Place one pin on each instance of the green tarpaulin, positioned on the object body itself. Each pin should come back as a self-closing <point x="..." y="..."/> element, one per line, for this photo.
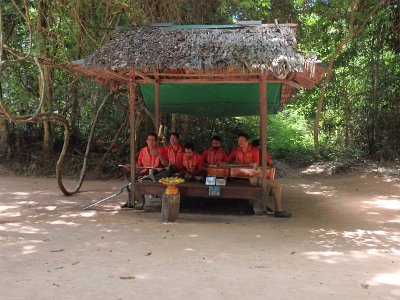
<point x="211" y="99"/>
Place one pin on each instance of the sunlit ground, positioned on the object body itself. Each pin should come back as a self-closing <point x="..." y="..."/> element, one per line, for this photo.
<point x="343" y="242"/>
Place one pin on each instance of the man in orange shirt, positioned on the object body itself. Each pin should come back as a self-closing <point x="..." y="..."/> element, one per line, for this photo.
<point x="214" y="155"/>
<point x="192" y="163"/>
<point x="153" y="157"/>
<point x="247" y="155"/>
<point x="244" y="154"/>
<point x="174" y="153"/>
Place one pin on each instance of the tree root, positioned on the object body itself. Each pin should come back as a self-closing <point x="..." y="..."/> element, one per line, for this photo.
<point x="57" y="118"/>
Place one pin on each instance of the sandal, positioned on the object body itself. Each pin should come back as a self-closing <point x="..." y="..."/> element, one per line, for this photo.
<point x="269" y="211"/>
<point x="282" y="214"/>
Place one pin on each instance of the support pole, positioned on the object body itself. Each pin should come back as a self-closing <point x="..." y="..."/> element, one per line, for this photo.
<point x="132" y="111"/>
<point x="157" y="105"/>
<point x="263" y="134"/>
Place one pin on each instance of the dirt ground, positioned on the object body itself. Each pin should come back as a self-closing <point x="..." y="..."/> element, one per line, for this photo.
<point x="343" y="242"/>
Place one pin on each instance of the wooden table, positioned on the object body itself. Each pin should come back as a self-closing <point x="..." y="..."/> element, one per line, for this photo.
<point x="234" y="189"/>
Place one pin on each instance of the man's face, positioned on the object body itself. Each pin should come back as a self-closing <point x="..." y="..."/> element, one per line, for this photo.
<point x="151" y="141"/>
<point x="215" y="144"/>
<point x="188" y="153"/>
<point x="173" y="140"/>
<point x="242" y="142"/>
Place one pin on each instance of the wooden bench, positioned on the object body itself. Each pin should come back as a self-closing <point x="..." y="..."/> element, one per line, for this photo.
<point x="234" y="189"/>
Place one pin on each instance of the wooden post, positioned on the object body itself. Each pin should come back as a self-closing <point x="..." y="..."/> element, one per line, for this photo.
<point x="263" y="137"/>
<point x="170" y="207"/>
<point x="132" y="104"/>
<point x="157" y="105"/>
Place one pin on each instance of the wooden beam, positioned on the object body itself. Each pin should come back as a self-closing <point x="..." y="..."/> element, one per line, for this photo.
<point x="202" y="74"/>
<point x="263" y="132"/>
<point x="132" y="111"/>
<point x="145" y="76"/>
<point x="221" y="80"/>
<point x="290" y="83"/>
<point x="116" y="75"/>
<point x="296" y="80"/>
<point x="157" y="106"/>
<point x="210" y="80"/>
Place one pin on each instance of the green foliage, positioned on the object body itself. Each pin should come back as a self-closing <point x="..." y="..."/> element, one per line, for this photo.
<point x="361" y="112"/>
<point x="289" y="135"/>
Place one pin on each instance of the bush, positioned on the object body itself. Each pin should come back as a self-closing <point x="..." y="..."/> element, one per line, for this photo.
<point x="289" y="136"/>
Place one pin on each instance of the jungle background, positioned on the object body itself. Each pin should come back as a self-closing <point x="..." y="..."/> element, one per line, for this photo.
<point x="350" y="117"/>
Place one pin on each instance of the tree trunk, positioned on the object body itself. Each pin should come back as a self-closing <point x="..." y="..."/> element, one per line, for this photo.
<point x="351" y="34"/>
<point x="174" y="122"/>
<point x="186" y="127"/>
<point x="45" y="81"/>
<point x="5" y="150"/>
<point x="74" y="105"/>
<point x="48" y="141"/>
<point x="347" y="120"/>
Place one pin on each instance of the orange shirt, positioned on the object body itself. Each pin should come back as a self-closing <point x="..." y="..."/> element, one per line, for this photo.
<point x="147" y="160"/>
<point x="193" y="163"/>
<point x="269" y="158"/>
<point x="251" y="155"/>
<point x="214" y="157"/>
<point x="175" y="155"/>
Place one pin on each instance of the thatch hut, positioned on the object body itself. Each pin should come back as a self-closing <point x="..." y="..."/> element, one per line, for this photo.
<point x="207" y="70"/>
<point x="194" y="53"/>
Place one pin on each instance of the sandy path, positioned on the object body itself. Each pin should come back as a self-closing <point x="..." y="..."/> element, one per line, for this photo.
<point x="342" y="243"/>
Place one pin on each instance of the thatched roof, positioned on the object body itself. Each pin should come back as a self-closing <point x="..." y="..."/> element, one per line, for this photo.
<point x="214" y="48"/>
<point x="204" y="54"/>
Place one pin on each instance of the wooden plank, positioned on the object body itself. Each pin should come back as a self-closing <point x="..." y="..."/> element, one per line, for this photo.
<point x="132" y="111"/>
<point x="144" y="76"/>
<point x="202" y="74"/>
<point x="117" y="76"/>
<point x="297" y="80"/>
<point x="157" y="106"/>
<point x="209" y="80"/>
<point x="222" y="80"/>
<point x="263" y="139"/>
<point x="197" y="189"/>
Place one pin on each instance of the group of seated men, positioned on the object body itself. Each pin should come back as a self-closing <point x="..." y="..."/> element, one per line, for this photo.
<point x="183" y="161"/>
